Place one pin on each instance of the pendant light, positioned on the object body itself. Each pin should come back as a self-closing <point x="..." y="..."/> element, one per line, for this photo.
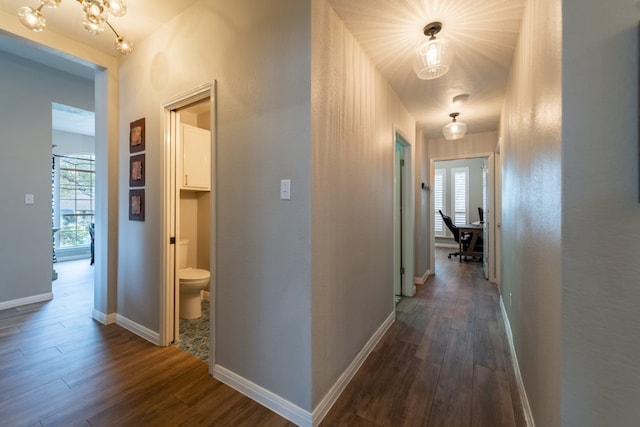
<point x="455" y="129"/>
<point x="433" y="57"/>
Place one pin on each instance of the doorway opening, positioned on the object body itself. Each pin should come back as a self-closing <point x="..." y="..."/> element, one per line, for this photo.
<point x="462" y="187"/>
<point x="403" y="219"/>
<point x="73" y="184"/>
<point x="188" y="299"/>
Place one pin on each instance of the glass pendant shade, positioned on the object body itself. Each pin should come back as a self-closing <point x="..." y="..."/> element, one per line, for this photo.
<point x="454" y="130"/>
<point x="117" y="8"/>
<point x="432" y="59"/>
<point x="32" y="18"/>
<point x="123" y="46"/>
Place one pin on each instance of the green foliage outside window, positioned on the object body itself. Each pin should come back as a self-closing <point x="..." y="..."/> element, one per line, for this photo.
<point x="76" y="199"/>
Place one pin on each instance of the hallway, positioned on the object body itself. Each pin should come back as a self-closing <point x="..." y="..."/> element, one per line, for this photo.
<point x="444" y="362"/>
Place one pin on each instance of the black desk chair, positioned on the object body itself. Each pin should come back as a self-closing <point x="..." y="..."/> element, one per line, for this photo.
<point x="466" y="238"/>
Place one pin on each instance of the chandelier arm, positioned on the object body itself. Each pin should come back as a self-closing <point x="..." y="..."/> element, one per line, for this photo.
<point x="112" y="29"/>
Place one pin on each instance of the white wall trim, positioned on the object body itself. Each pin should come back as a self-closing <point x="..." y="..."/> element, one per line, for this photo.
<point x="141" y="331"/>
<point x="447" y="245"/>
<point x="528" y="416"/>
<point x="290" y="411"/>
<point x="24" y="301"/>
<point x="105" y="319"/>
<point x="277" y="404"/>
<point x="422" y="280"/>
<point x="334" y="393"/>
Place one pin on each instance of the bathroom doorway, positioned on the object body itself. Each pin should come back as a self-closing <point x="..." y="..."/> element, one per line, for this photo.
<point x="189" y="216"/>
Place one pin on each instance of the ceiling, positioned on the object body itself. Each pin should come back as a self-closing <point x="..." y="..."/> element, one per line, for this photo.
<point x="483" y="34"/>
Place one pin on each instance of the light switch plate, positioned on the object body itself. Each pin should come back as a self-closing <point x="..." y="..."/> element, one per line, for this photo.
<point x="29" y="199"/>
<point x="285" y="189"/>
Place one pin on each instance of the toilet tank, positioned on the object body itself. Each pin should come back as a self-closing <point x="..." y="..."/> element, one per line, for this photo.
<point x="184" y="251"/>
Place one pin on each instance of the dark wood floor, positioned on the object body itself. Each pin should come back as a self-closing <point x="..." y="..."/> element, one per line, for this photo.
<point x="444" y="362"/>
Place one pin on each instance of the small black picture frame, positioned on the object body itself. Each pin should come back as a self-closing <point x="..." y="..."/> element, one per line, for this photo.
<point x="136" y="136"/>
<point x="137" y="170"/>
<point x="136" y="205"/>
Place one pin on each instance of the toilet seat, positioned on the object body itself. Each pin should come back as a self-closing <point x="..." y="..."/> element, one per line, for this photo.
<point x="193" y="275"/>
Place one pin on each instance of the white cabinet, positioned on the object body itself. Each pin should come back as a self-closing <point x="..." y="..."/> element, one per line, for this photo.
<point x="196" y="158"/>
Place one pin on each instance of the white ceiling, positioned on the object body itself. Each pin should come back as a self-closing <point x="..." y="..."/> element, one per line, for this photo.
<point x="483" y="33"/>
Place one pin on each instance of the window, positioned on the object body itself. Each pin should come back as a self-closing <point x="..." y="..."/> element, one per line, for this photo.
<point x="75" y="203"/>
<point x="460" y="196"/>
<point x="438" y="201"/>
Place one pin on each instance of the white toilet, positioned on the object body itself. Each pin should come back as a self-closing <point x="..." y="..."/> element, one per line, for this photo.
<point x="192" y="281"/>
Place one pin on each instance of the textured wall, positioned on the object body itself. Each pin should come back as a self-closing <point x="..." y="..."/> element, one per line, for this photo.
<point x="531" y="209"/>
<point x="259" y="54"/>
<point x="353" y="117"/>
<point x="600" y="214"/>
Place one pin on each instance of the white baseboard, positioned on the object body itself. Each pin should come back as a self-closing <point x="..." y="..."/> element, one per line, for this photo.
<point x="422" y="280"/>
<point x="447" y="245"/>
<point x="149" y="335"/>
<point x="105" y="319"/>
<point x="334" y="393"/>
<point x="528" y="416"/>
<point x="24" y="301"/>
<point x="290" y="411"/>
<point x="277" y="404"/>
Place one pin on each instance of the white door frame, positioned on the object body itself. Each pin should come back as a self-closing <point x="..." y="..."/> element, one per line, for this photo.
<point x="490" y="216"/>
<point x="168" y="298"/>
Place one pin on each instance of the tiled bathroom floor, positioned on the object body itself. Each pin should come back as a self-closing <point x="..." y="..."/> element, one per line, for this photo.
<point x="194" y="334"/>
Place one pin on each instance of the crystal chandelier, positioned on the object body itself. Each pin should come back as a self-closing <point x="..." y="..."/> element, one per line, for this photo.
<point x="455" y="129"/>
<point x="96" y="15"/>
<point x="433" y="57"/>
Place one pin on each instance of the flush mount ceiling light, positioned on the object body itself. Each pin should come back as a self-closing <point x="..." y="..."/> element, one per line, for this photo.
<point x="459" y="100"/>
<point x="433" y="57"/>
<point x="96" y="14"/>
<point x="455" y="129"/>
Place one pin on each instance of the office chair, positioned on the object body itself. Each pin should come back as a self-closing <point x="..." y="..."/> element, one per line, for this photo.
<point x="481" y="214"/>
<point x="466" y="239"/>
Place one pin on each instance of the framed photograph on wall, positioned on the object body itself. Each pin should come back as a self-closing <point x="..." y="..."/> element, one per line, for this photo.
<point x="136" y="136"/>
<point x="136" y="205"/>
<point x="136" y="170"/>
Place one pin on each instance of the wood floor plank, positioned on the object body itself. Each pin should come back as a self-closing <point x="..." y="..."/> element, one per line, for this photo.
<point x="452" y="400"/>
<point x="491" y="399"/>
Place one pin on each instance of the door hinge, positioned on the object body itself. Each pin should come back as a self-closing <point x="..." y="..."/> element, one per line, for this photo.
<point x="401" y="270"/>
<point x="401" y="162"/>
<point x="172" y="240"/>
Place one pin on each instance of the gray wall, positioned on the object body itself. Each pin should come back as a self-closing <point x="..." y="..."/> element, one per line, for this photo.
<point x="259" y="54"/>
<point x="355" y="115"/>
<point x="600" y="214"/>
<point x="531" y="207"/>
<point x="25" y="167"/>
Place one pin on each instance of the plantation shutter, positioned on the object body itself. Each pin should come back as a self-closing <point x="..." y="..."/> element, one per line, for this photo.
<point x="438" y="202"/>
<point x="460" y="180"/>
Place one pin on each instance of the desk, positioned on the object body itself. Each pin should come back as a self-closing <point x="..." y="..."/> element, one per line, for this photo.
<point x="475" y="231"/>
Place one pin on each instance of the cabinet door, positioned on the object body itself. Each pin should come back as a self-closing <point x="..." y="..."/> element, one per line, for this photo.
<point x="196" y="158"/>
